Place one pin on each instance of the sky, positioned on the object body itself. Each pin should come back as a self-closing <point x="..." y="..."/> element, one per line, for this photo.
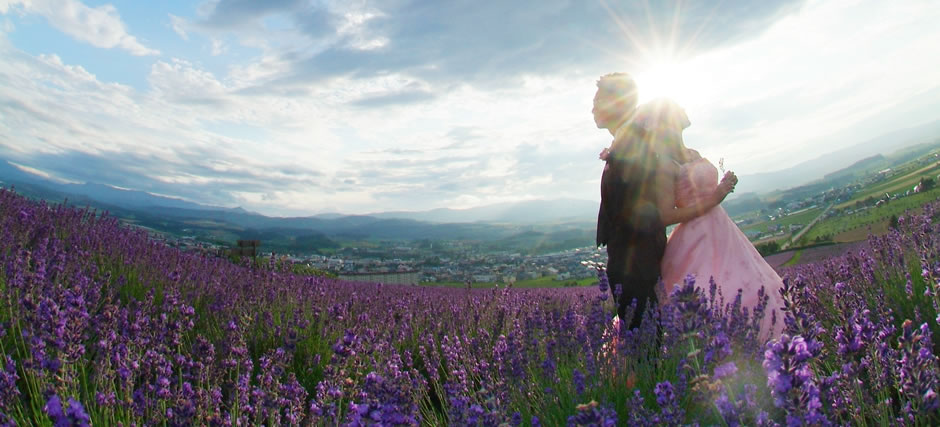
<point x="299" y="107"/>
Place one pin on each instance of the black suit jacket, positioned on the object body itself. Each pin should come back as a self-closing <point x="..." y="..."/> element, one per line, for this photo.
<point x="628" y="220"/>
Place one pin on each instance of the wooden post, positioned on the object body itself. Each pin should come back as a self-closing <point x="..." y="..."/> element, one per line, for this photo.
<point x="247" y="248"/>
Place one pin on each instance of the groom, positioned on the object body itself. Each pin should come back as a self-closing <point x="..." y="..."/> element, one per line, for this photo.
<point x="628" y="221"/>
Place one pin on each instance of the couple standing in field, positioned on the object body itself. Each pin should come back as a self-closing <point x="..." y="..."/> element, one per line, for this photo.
<point x="652" y="180"/>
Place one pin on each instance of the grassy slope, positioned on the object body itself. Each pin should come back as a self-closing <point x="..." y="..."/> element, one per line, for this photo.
<point x="801" y="218"/>
<point x="899" y="183"/>
<point x="855" y="227"/>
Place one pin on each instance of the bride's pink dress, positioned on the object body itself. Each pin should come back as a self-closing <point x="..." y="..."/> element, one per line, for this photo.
<point x="713" y="246"/>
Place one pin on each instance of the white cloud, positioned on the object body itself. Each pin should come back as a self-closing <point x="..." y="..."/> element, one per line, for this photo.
<point x="42" y="174"/>
<point x="178" y="25"/>
<point x="765" y="103"/>
<point x="7" y="5"/>
<point x="99" y="26"/>
<point x="485" y="44"/>
<point x="61" y="119"/>
<point x="261" y="70"/>
<point x="371" y="130"/>
<point x="354" y="27"/>
<point x="180" y="81"/>
<point x="218" y="47"/>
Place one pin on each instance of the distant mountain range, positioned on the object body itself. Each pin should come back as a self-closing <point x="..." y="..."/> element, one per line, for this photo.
<point x="525" y="212"/>
<point x="819" y="167"/>
<point x="527" y="221"/>
<point x="561" y="224"/>
<point x="94" y="191"/>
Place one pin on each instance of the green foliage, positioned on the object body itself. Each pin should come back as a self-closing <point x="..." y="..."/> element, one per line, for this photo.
<point x="927" y="183"/>
<point x="311" y="242"/>
<point x="768" y="248"/>
<point x="538" y="242"/>
<point x="291" y="241"/>
<point x="794" y="259"/>
<point x="306" y="270"/>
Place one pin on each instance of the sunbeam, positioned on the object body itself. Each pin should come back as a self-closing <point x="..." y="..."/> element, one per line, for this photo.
<point x="661" y="56"/>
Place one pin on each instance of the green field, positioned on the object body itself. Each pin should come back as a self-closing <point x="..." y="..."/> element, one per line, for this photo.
<point x="793" y="260"/>
<point x="799" y="218"/>
<point x="542" y="282"/>
<point x="902" y="182"/>
<point x="779" y="239"/>
<point x="873" y="216"/>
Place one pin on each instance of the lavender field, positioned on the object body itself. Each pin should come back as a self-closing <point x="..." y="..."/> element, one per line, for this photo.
<point x="100" y="325"/>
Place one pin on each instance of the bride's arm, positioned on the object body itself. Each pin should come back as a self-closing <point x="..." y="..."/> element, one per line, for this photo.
<point x="666" y="196"/>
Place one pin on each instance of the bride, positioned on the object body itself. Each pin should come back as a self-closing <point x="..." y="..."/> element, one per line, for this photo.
<point x="704" y="244"/>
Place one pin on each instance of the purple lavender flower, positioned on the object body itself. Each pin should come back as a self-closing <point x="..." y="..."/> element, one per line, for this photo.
<point x="389" y="401"/>
<point x="593" y="414"/>
<point x="8" y="378"/>
<point x="725" y="370"/>
<point x="54" y="409"/>
<point x="729" y="411"/>
<point x="670" y="411"/>
<point x="346" y="345"/>
<point x="791" y="381"/>
<point x="689" y="308"/>
<point x="718" y="348"/>
<point x="917" y="367"/>
<point x="637" y="413"/>
<point x="603" y="283"/>
<point x="73" y="415"/>
<point x="578" y="379"/>
<point x="75" y="278"/>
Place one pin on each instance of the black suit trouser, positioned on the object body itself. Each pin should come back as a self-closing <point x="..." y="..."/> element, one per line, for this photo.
<point x="633" y="262"/>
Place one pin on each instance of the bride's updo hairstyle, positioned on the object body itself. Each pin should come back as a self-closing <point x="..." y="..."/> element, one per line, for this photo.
<point x="663" y="120"/>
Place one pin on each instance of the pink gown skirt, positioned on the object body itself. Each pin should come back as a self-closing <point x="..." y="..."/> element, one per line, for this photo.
<point x="712" y="246"/>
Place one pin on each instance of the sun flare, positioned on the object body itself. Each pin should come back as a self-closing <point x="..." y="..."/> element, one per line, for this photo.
<point x="668" y="78"/>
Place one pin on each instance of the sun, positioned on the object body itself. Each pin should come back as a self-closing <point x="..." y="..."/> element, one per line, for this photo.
<point x="670" y="78"/>
<point x="663" y="62"/>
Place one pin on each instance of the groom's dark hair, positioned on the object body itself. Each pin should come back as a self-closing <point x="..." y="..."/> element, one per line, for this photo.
<point x="621" y="86"/>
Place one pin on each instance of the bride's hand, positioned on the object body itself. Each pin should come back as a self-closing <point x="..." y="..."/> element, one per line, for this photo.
<point x="726" y="186"/>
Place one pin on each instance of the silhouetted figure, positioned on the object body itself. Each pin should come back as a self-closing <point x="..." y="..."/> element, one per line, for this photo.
<point x="628" y="219"/>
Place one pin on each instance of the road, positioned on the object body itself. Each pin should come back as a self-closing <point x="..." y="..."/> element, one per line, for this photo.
<point x="796" y="238"/>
